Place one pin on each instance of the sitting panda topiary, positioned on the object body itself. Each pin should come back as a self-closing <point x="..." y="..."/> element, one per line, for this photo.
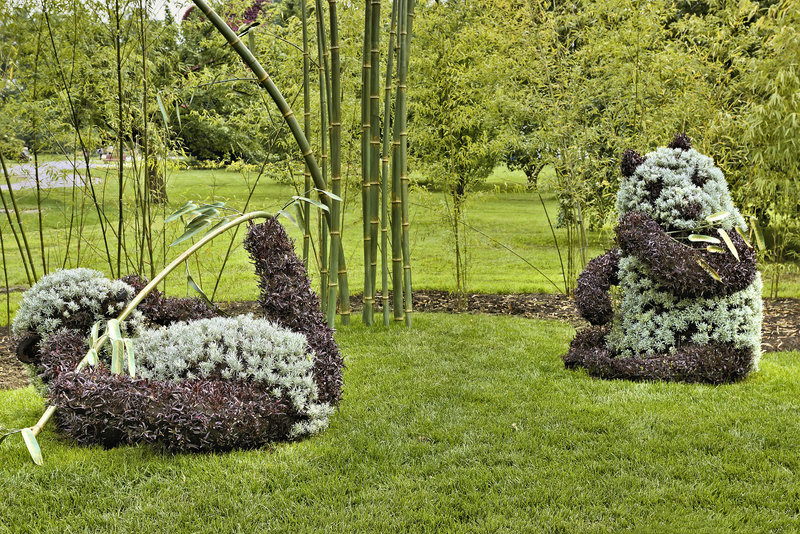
<point x="689" y="311"/>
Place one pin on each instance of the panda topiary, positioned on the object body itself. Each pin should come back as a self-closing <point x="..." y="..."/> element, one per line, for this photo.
<point x="689" y="311"/>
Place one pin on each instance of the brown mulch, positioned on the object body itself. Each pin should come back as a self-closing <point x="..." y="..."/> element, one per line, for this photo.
<point x="780" y="330"/>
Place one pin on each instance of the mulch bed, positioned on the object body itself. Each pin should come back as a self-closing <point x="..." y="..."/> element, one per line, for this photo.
<point x="780" y="331"/>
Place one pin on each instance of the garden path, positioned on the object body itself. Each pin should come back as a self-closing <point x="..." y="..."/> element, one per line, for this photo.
<point x="51" y="174"/>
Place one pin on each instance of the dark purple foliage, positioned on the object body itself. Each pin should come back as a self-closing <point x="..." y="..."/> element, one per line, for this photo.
<point x="96" y="407"/>
<point x="674" y="265"/>
<point x="630" y="160"/>
<point x="164" y="311"/>
<point x="591" y="293"/>
<point x="682" y="141"/>
<point x="712" y="364"/>
<point x="286" y="298"/>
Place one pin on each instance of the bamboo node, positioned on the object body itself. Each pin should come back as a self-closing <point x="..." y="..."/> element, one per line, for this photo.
<point x="263" y="78"/>
<point x="288" y="114"/>
<point x="306" y="154"/>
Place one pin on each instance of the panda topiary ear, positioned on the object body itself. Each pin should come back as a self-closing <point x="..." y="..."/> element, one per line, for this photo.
<point x="682" y="141"/>
<point x="630" y="160"/>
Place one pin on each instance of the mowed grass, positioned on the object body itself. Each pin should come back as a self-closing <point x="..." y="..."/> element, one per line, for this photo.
<point x="463" y="424"/>
<point x="503" y="210"/>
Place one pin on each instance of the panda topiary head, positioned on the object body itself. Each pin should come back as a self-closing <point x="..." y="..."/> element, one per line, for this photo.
<point x="676" y="186"/>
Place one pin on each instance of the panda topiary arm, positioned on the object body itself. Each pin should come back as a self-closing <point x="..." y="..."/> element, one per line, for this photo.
<point x="591" y="292"/>
<point x="676" y="266"/>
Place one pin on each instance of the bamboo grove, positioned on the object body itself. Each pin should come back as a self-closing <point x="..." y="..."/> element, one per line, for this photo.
<point x="384" y="149"/>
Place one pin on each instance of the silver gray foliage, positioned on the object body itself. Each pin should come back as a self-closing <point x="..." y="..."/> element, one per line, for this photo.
<point x="52" y="300"/>
<point x="241" y="347"/>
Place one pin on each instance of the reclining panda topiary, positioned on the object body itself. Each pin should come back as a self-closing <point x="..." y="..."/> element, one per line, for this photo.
<point x="689" y="311"/>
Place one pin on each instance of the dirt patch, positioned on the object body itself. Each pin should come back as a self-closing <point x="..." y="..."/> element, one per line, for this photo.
<point x="780" y="330"/>
<point x="12" y="373"/>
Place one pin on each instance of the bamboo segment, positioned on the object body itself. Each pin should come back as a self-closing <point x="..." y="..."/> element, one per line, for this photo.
<point x="324" y="91"/>
<point x="387" y="109"/>
<point x="397" y="209"/>
<point x="402" y="104"/>
<point x="336" y="164"/>
<point x="307" y="131"/>
<point x="366" y="78"/>
<point x="374" y="146"/>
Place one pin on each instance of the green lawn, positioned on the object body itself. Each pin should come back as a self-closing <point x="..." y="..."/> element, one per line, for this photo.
<point x="503" y="210"/>
<point x="465" y="423"/>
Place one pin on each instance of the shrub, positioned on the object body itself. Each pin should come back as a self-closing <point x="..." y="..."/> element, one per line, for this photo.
<point x="74" y="299"/>
<point x="212" y="384"/>
<point x="286" y="298"/>
<point x="230" y="348"/>
<point x="687" y="312"/>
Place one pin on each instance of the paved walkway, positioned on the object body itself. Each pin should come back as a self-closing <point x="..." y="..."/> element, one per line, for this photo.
<point x="51" y="174"/>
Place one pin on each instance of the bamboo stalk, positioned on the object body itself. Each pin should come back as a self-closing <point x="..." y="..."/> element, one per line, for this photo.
<point x="336" y="164"/>
<point x="397" y="208"/>
<point x="307" y="130"/>
<point x="366" y="80"/>
<point x="102" y="219"/>
<point x="324" y="91"/>
<point x="402" y="103"/>
<point x="265" y="81"/>
<point x="387" y="109"/>
<point x="375" y="146"/>
<point x="31" y="279"/>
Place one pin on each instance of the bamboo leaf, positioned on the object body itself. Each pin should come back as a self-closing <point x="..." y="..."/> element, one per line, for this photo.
<point x="716" y="217"/>
<point x="178" y="115"/>
<point x="758" y="234"/>
<point x="190" y="233"/>
<point x="714" y="248"/>
<point x="288" y="216"/>
<point x="219" y="223"/>
<point x="744" y="237"/>
<point x="311" y="201"/>
<point x="217" y="204"/>
<point x="131" y="358"/>
<point x="163" y="111"/>
<point x="208" y="211"/>
<point x="301" y="220"/>
<point x="709" y="269"/>
<point x="33" y="446"/>
<point x="117" y="355"/>
<point x="186" y="208"/>
<point x="113" y="330"/>
<point x="198" y="289"/>
<point x="91" y="357"/>
<point x="95" y="332"/>
<point x="700" y="238"/>
<point x="328" y="194"/>
<point x="725" y="237"/>
<point x="197" y="221"/>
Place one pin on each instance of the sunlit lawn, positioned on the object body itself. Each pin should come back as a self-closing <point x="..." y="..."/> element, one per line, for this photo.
<point x="504" y="215"/>
<point x="465" y="424"/>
